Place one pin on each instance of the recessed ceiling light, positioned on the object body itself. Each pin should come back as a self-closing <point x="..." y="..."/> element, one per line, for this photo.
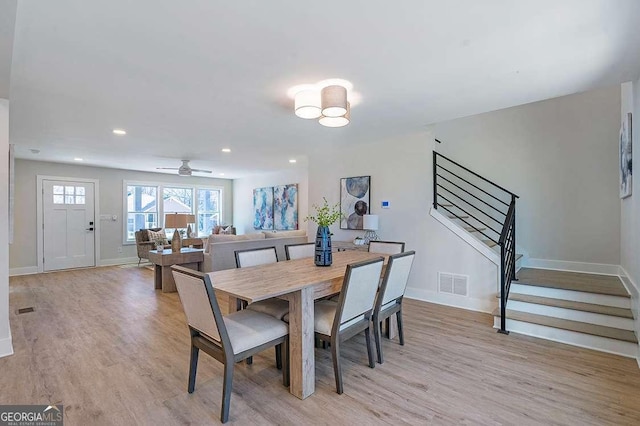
<point x="293" y="160"/>
<point x="78" y="159"/>
<point x="119" y="132"/>
<point x="226" y="149"/>
<point x="221" y="174"/>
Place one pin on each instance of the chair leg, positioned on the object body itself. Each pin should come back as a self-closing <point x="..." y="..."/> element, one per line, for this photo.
<point x="226" y="390"/>
<point x="367" y="335"/>
<point x="286" y="378"/>
<point x="337" y="371"/>
<point x="387" y="327"/>
<point x="139" y="260"/>
<point x="377" y="334"/>
<point x="193" y="366"/>
<point x="279" y="356"/>
<point x="249" y="360"/>
<point x="400" y="330"/>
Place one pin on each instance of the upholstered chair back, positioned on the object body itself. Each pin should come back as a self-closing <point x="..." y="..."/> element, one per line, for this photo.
<point x="386" y="247"/>
<point x="397" y="275"/>
<point x="197" y="304"/>
<point x="300" y="251"/>
<point x="255" y="257"/>
<point x="359" y="291"/>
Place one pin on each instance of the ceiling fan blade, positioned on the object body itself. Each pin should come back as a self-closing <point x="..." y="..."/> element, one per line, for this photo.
<point x="167" y="168"/>
<point x="201" y="171"/>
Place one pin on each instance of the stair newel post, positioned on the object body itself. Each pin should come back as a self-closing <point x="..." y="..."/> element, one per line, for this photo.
<point x="503" y="295"/>
<point x="435" y="187"/>
<point x="513" y="200"/>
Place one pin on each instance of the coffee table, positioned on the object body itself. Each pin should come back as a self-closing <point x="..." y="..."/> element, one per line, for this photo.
<point x="188" y="257"/>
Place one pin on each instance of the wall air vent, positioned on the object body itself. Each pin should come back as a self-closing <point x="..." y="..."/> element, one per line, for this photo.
<point x="453" y="284"/>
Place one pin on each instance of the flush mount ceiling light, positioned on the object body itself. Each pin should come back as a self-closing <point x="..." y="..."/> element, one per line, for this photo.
<point x="328" y="100"/>
<point x="119" y="132"/>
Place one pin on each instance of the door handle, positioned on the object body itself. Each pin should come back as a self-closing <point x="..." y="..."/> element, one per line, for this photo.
<point x="89" y="229"/>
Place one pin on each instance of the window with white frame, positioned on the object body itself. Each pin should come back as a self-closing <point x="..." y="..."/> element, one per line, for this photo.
<point x="147" y="204"/>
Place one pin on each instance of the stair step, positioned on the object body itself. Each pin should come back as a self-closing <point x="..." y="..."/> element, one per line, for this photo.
<point x="518" y="256"/>
<point x="579" y="327"/>
<point x="575" y="281"/>
<point x="471" y="229"/>
<point x="570" y="304"/>
<point x="489" y="243"/>
<point x="458" y="217"/>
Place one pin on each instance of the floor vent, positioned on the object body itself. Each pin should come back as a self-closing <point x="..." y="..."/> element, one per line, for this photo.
<point x="453" y="283"/>
<point x="25" y="310"/>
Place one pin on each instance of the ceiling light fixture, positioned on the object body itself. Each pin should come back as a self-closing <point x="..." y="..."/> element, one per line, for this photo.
<point x="78" y="159"/>
<point x="119" y="132"/>
<point x="221" y="174"/>
<point x="327" y="100"/>
<point x="226" y="149"/>
<point x="293" y="160"/>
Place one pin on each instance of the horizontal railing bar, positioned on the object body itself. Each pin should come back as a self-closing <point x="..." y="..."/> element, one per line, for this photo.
<point x="464" y="201"/>
<point x="469" y="183"/>
<point x="477" y="175"/>
<point x="471" y="216"/>
<point x="501" y="222"/>
<point x="490" y="238"/>
<point x="474" y="196"/>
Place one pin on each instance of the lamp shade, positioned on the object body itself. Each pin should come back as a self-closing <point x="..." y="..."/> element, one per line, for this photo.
<point x="175" y="220"/>
<point x="191" y="218"/>
<point x="370" y="222"/>
<point x="337" y="121"/>
<point x="334" y="101"/>
<point x="307" y="104"/>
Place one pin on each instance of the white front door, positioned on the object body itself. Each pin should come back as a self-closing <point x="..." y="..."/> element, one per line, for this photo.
<point x="68" y="225"/>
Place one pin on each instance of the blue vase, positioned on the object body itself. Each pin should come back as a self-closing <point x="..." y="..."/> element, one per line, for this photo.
<point x="323" y="246"/>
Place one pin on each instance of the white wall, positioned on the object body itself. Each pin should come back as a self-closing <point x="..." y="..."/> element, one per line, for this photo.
<point x="630" y="206"/>
<point x="23" y="256"/>
<point x="400" y="170"/>
<point x="5" y="331"/>
<point x="243" y="195"/>
<point x="560" y="156"/>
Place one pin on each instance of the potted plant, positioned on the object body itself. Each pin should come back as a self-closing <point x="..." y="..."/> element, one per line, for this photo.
<point x="325" y="216"/>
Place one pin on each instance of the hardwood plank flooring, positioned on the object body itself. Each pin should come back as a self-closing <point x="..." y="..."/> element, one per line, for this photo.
<point x="576" y="281"/>
<point x="115" y="351"/>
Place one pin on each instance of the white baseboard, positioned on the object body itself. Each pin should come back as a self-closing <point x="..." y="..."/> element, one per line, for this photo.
<point x="118" y="261"/>
<point x="468" y="303"/>
<point x="28" y="270"/>
<point x="565" y="265"/>
<point x="6" y="348"/>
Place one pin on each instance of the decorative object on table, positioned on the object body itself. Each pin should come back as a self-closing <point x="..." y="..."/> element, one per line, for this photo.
<point x="263" y="208"/>
<point x="626" y="142"/>
<point x="358" y="241"/>
<point x="159" y="247"/>
<point x="370" y="224"/>
<point x="355" y="197"/>
<point x="191" y="218"/>
<point x="177" y="221"/>
<point x="325" y="216"/>
<point x="285" y="207"/>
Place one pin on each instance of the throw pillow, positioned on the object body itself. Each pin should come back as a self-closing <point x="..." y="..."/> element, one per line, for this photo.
<point x="229" y="230"/>
<point x="157" y="237"/>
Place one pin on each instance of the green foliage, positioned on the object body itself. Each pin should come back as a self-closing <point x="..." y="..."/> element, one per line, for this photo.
<point x="325" y="215"/>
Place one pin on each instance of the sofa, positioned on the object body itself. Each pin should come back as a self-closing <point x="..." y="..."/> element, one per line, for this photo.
<point x="219" y="253"/>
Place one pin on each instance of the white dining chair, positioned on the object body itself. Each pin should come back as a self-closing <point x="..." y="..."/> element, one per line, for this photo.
<point x="300" y="251"/>
<point x="275" y="307"/>
<point x="336" y="322"/>
<point x="386" y="247"/>
<point x="390" y="296"/>
<point x="229" y="338"/>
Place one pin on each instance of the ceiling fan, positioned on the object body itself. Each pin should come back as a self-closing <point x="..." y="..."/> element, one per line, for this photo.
<point x="185" y="169"/>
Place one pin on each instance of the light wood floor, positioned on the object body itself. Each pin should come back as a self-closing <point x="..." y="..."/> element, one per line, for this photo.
<point x="114" y="351"/>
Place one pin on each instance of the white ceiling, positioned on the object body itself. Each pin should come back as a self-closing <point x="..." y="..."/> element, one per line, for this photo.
<point x="186" y="79"/>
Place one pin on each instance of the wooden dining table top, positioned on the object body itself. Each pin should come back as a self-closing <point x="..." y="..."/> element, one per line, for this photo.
<point x="277" y="279"/>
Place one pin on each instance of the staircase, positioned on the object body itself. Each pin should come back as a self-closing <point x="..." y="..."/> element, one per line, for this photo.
<point x="586" y="310"/>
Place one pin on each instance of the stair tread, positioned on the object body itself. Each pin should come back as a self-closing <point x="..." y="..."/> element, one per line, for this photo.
<point x="575" y="281"/>
<point x="489" y="243"/>
<point x="577" y="326"/>
<point x="472" y="229"/>
<point x="458" y="217"/>
<point x="570" y="304"/>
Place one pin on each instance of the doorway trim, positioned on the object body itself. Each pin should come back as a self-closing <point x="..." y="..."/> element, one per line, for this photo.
<point x="40" y="215"/>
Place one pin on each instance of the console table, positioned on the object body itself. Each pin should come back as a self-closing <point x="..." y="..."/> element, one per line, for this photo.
<point x="187" y="257"/>
<point x="348" y="245"/>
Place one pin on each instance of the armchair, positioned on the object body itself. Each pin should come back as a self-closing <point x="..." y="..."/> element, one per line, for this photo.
<point x="143" y="244"/>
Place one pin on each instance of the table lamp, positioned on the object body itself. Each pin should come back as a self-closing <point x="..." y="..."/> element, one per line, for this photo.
<point x="191" y="218"/>
<point x="370" y="224"/>
<point x="177" y="221"/>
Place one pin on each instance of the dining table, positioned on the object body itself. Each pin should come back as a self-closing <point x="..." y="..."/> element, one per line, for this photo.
<point x="300" y="282"/>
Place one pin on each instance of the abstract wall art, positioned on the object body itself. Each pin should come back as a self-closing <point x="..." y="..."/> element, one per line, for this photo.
<point x="625" y="151"/>
<point x="263" y="208"/>
<point x="285" y="207"/>
<point x="355" y="198"/>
